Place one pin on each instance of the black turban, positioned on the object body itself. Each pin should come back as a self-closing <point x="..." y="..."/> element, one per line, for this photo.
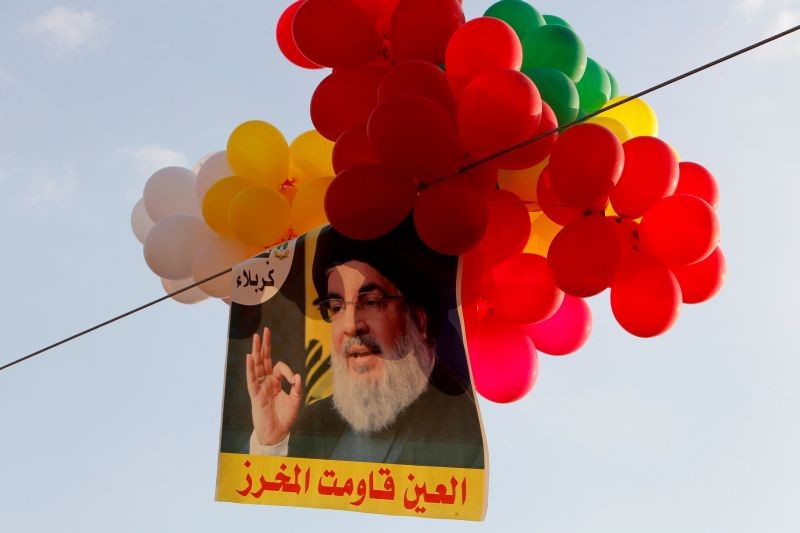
<point x="425" y="277"/>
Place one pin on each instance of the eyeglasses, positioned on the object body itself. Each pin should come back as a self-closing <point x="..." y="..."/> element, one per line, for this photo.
<point x="371" y="304"/>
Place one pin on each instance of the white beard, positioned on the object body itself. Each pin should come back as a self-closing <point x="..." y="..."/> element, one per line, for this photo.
<point x="373" y="404"/>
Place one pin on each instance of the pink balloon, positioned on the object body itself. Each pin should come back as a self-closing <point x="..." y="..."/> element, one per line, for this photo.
<point x="566" y="331"/>
<point x="503" y="360"/>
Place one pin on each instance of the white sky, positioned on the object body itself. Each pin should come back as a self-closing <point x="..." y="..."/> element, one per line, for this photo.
<point x="697" y="430"/>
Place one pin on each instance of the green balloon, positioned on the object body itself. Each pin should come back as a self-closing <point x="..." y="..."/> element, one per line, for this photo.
<point x="557" y="47"/>
<point x="614" y="85"/>
<point x="594" y="87"/>
<point x="556" y="21"/>
<point x="557" y="90"/>
<point x="519" y="14"/>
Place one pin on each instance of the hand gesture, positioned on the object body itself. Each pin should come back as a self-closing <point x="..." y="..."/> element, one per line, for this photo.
<point x="274" y="411"/>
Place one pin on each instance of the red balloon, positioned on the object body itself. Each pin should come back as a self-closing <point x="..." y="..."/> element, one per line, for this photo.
<point x="498" y="109"/>
<point x="286" y="43"/>
<point x="420" y="78"/>
<point x="345" y="99"/>
<point x="482" y="178"/>
<point x="474" y="279"/>
<point x="701" y="281"/>
<point x="524" y="290"/>
<point x="696" y="180"/>
<point x="679" y="230"/>
<point x="585" y="256"/>
<point x="352" y="148"/>
<point x="335" y="33"/>
<point x="414" y="136"/>
<point x="420" y="29"/>
<point x="535" y="152"/>
<point x="484" y="43"/>
<point x="508" y="229"/>
<point x="553" y="207"/>
<point x="503" y="360"/>
<point x="650" y="174"/>
<point x="367" y="201"/>
<point x="379" y="12"/>
<point x="566" y="331"/>
<point x="628" y="233"/>
<point x="585" y="164"/>
<point x="645" y="296"/>
<point x="450" y="217"/>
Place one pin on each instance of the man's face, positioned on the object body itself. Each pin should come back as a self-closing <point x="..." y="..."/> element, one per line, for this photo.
<point x="365" y="340"/>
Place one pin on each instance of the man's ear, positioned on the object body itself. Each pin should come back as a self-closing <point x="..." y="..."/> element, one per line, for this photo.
<point x="421" y="320"/>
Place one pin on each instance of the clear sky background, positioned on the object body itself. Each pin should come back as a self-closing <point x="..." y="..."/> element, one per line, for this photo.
<point x="696" y="430"/>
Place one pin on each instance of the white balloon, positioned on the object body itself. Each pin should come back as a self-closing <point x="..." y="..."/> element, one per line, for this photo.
<point x="217" y="254"/>
<point x="192" y="296"/>
<point x="170" y="191"/>
<point x="211" y="171"/>
<point x="171" y="244"/>
<point x="140" y="221"/>
<point x="201" y="162"/>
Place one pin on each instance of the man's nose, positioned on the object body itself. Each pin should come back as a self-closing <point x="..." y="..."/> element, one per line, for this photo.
<point x="352" y="323"/>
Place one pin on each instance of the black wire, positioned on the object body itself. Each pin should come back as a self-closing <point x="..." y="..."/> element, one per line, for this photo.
<point x="461" y="171"/>
<point x="118" y="317"/>
<point x="626" y="100"/>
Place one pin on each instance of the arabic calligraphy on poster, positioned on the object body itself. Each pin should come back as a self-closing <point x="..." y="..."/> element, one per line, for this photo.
<point x="432" y="492"/>
<point x="258" y="279"/>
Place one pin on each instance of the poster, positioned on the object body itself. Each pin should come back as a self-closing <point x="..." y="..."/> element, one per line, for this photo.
<point x="347" y="384"/>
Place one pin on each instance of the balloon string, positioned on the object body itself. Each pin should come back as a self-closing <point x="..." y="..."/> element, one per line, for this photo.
<point x="462" y="170"/>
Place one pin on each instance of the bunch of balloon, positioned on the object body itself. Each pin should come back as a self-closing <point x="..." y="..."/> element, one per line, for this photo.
<point x="264" y="191"/>
<point x="555" y="58"/>
<point x="660" y="241"/>
<point x="405" y="129"/>
<point x="168" y="223"/>
<point x="258" y="192"/>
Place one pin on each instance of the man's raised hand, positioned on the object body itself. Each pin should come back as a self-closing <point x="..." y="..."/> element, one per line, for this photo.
<point x="274" y="411"/>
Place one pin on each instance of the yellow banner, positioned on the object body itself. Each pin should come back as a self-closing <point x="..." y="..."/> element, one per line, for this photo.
<point x="425" y="491"/>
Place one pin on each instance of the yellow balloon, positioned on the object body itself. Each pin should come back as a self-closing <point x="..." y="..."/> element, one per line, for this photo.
<point x="543" y="231"/>
<point x="308" y="208"/>
<point x="218" y="200"/>
<point x="617" y="128"/>
<point x="259" y="216"/>
<point x="523" y="183"/>
<point x="636" y="115"/>
<point x="259" y="151"/>
<point x="311" y="156"/>
<point x="609" y="212"/>
<point x="289" y="191"/>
